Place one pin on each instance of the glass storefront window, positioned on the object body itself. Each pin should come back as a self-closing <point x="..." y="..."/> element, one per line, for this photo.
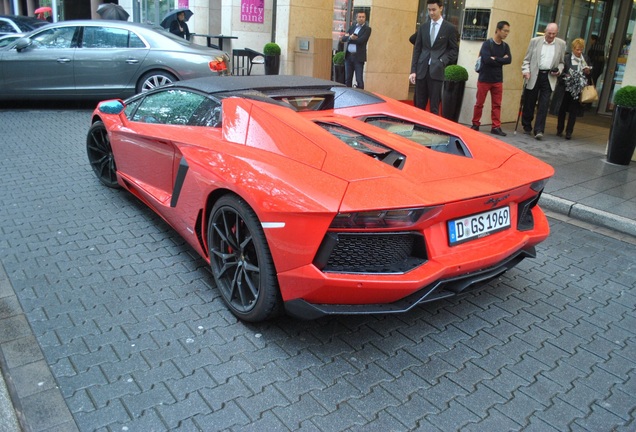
<point x="546" y="11"/>
<point x="153" y="11"/>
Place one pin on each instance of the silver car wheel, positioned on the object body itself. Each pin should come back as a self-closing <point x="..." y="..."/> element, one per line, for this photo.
<point x="155" y="79"/>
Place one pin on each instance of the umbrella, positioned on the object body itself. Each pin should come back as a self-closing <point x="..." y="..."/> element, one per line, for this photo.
<point x="172" y="16"/>
<point x="43" y="9"/>
<point x="112" y="11"/>
<point x="41" y="12"/>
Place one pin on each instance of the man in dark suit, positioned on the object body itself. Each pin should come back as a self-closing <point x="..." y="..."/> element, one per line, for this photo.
<point x="355" y="41"/>
<point x="435" y="47"/>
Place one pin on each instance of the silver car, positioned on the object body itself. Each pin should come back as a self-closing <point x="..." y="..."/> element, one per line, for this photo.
<point x="99" y="59"/>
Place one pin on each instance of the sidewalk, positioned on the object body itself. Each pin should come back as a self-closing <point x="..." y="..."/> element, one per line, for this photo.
<point x="585" y="186"/>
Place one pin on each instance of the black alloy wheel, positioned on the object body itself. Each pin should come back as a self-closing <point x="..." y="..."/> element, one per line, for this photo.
<point x="100" y="155"/>
<point x="241" y="261"/>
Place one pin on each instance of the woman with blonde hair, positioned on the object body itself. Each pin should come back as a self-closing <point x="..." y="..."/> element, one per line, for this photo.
<point x="576" y="75"/>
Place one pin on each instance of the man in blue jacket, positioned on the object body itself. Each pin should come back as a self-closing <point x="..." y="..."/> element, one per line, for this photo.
<point x="355" y="41"/>
<point x="494" y="53"/>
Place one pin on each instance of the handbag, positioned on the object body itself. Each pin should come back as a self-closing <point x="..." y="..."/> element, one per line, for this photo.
<point x="589" y="94"/>
<point x="478" y="64"/>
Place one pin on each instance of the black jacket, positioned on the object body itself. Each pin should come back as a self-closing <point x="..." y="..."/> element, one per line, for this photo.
<point x="361" y="42"/>
<point x="443" y="52"/>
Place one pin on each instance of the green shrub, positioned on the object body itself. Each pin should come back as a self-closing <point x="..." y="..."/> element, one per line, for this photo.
<point x="339" y="58"/>
<point x="455" y="73"/>
<point x="626" y="97"/>
<point x="271" y="49"/>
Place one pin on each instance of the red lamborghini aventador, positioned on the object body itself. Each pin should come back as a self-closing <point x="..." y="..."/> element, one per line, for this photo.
<point x="313" y="198"/>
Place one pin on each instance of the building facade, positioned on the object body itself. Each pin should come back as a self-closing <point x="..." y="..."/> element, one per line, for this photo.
<point x="308" y="32"/>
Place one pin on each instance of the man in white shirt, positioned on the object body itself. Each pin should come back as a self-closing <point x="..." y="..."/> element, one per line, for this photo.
<point x="541" y="66"/>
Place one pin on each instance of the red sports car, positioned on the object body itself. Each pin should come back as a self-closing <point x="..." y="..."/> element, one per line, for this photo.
<point x="317" y="199"/>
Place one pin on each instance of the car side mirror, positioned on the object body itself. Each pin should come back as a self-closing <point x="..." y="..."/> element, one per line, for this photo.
<point x="23" y="43"/>
<point x="111" y="107"/>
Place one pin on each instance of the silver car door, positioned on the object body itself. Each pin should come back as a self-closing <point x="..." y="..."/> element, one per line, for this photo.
<point x="44" y="68"/>
<point x="107" y="61"/>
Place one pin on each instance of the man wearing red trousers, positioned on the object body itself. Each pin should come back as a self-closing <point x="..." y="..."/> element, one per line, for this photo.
<point x="494" y="53"/>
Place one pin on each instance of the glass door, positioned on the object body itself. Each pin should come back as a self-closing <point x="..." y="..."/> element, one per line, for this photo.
<point x="621" y="29"/>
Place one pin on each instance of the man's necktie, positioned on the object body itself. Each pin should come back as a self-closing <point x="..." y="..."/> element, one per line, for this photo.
<point x="433" y="24"/>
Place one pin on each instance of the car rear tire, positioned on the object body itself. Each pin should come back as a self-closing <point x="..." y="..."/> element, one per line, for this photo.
<point x="100" y="155"/>
<point x="154" y="79"/>
<point x="241" y="262"/>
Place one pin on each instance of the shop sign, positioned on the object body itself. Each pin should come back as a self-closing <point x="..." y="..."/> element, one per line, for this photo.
<point x="253" y="11"/>
<point x="475" y="26"/>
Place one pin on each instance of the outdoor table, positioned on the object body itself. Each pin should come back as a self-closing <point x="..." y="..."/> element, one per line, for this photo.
<point x="219" y="38"/>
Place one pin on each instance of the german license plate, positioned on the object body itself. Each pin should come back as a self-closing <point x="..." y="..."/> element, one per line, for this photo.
<point x="479" y="225"/>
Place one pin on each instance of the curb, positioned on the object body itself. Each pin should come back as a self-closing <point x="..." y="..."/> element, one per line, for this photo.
<point x="588" y="214"/>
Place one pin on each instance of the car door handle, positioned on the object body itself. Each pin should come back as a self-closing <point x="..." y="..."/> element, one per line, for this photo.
<point x="132" y="61"/>
<point x="64" y="60"/>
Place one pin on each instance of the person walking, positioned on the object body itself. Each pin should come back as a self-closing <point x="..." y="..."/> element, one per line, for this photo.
<point x="179" y="26"/>
<point x="355" y="50"/>
<point x="575" y="75"/>
<point x="435" y="48"/>
<point x="494" y="53"/>
<point x="541" y="66"/>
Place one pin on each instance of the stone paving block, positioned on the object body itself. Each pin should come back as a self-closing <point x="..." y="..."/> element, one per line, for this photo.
<point x="405" y="386"/>
<point x="480" y="400"/>
<point x="455" y="417"/>
<point x="112" y="413"/>
<point x="103" y="394"/>
<point x="80" y="401"/>
<point x="332" y="371"/>
<point x="435" y="369"/>
<point x="620" y="404"/>
<point x="342" y="419"/>
<point x="374" y="402"/>
<point x="493" y="421"/>
<point x="223" y="371"/>
<point x="21" y="351"/>
<point x="218" y="396"/>
<point x="83" y="362"/>
<point x="163" y="372"/>
<point x="482" y="343"/>
<point x="224" y="418"/>
<point x="14" y="327"/>
<point x="184" y="409"/>
<point x="441" y="394"/>
<point x="412" y="411"/>
<point x="619" y="365"/>
<point x="297" y="386"/>
<point x="257" y="404"/>
<point x="32" y="378"/>
<point x="599" y="419"/>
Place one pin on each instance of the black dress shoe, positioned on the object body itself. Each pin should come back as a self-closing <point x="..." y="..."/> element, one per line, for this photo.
<point x="475" y="127"/>
<point x="568" y="136"/>
<point x="498" y="131"/>
<point x="559" y="134"/>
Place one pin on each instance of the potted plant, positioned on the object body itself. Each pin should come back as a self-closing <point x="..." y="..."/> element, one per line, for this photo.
<point x="338" y="67"/>
<point x="271" y="51"/>
<point x="622" y="136"/>
<point x="455" y="78"/>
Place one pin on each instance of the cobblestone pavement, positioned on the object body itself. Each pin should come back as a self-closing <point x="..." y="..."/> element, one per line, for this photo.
<point x="109" y="321"/>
